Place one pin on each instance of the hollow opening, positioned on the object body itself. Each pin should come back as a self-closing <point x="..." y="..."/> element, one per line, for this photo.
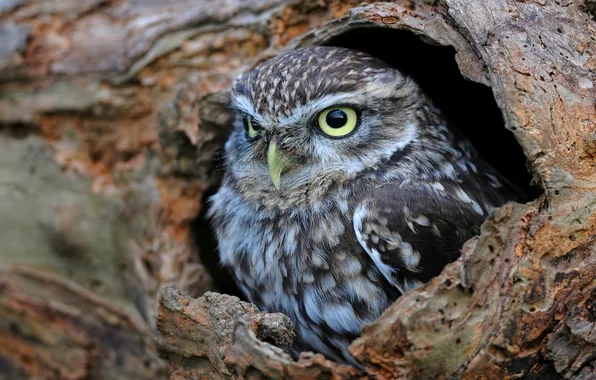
<point x="471" y="106"/>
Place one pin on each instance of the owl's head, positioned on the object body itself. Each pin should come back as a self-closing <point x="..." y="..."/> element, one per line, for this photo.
<point x="318" y="113"/>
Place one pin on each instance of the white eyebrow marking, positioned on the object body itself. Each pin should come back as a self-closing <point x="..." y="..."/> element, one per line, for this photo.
<point x="316" y="105"/>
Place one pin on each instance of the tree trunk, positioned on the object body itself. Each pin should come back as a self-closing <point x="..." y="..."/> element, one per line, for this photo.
<point x="112" y="118"/>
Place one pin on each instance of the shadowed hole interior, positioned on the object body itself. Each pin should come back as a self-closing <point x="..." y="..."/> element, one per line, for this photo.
<point x="589" y="7"/>
<point x="204" y="239"/>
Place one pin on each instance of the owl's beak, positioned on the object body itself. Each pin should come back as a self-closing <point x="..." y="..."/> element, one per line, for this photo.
<point x="275" y="163"/>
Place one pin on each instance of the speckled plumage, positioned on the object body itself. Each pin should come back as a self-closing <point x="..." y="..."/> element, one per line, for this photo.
<point x="358" y="220"/>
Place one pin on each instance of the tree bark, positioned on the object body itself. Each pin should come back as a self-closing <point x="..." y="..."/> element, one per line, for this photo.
<point x="112" y="118"/>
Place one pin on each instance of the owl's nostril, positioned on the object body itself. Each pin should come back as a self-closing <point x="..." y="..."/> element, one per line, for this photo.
<point x="268" y="137"/>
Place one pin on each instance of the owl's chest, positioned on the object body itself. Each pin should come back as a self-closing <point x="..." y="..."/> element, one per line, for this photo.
<point x="279" y="251"/>
<point x="307" y="264"/>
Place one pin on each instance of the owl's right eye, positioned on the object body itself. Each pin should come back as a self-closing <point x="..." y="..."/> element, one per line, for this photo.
<point x="251" y="126"/>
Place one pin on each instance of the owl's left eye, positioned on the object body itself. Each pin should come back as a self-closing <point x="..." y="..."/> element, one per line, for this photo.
<point x="250" y="125"/>
<point x="338" y="121"/>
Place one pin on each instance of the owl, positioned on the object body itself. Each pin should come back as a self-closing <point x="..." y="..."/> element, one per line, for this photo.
<point x="344" y="187"/>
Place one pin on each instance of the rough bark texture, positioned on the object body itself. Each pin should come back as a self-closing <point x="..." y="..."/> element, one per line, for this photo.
<point x="112" y="115"/>
<point x="194" y="334"/>
<point x="219" y="336"/>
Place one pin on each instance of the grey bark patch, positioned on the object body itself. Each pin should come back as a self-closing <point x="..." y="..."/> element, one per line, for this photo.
<point x="13" y="38"/>
<point x="8" y="5"/>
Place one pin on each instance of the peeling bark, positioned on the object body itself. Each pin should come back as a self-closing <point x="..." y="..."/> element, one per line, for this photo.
<point x="195" y="333"/>
<point x="112" y="118"/>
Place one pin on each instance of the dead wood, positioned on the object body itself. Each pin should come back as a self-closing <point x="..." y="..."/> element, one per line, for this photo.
<point x="112" y="117"/>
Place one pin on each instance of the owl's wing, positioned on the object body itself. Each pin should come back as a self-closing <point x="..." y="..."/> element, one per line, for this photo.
<point x="412" y="230"/>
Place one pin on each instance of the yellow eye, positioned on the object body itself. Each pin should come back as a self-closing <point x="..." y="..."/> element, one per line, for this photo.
<point x="338" y="121"/>
<point x="250" y="126"/>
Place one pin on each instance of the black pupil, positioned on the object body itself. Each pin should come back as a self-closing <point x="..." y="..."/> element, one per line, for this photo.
<point x="336" y="119"/>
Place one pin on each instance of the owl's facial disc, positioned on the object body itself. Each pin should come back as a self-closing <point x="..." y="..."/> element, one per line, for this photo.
<point x="318" y="116"/>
